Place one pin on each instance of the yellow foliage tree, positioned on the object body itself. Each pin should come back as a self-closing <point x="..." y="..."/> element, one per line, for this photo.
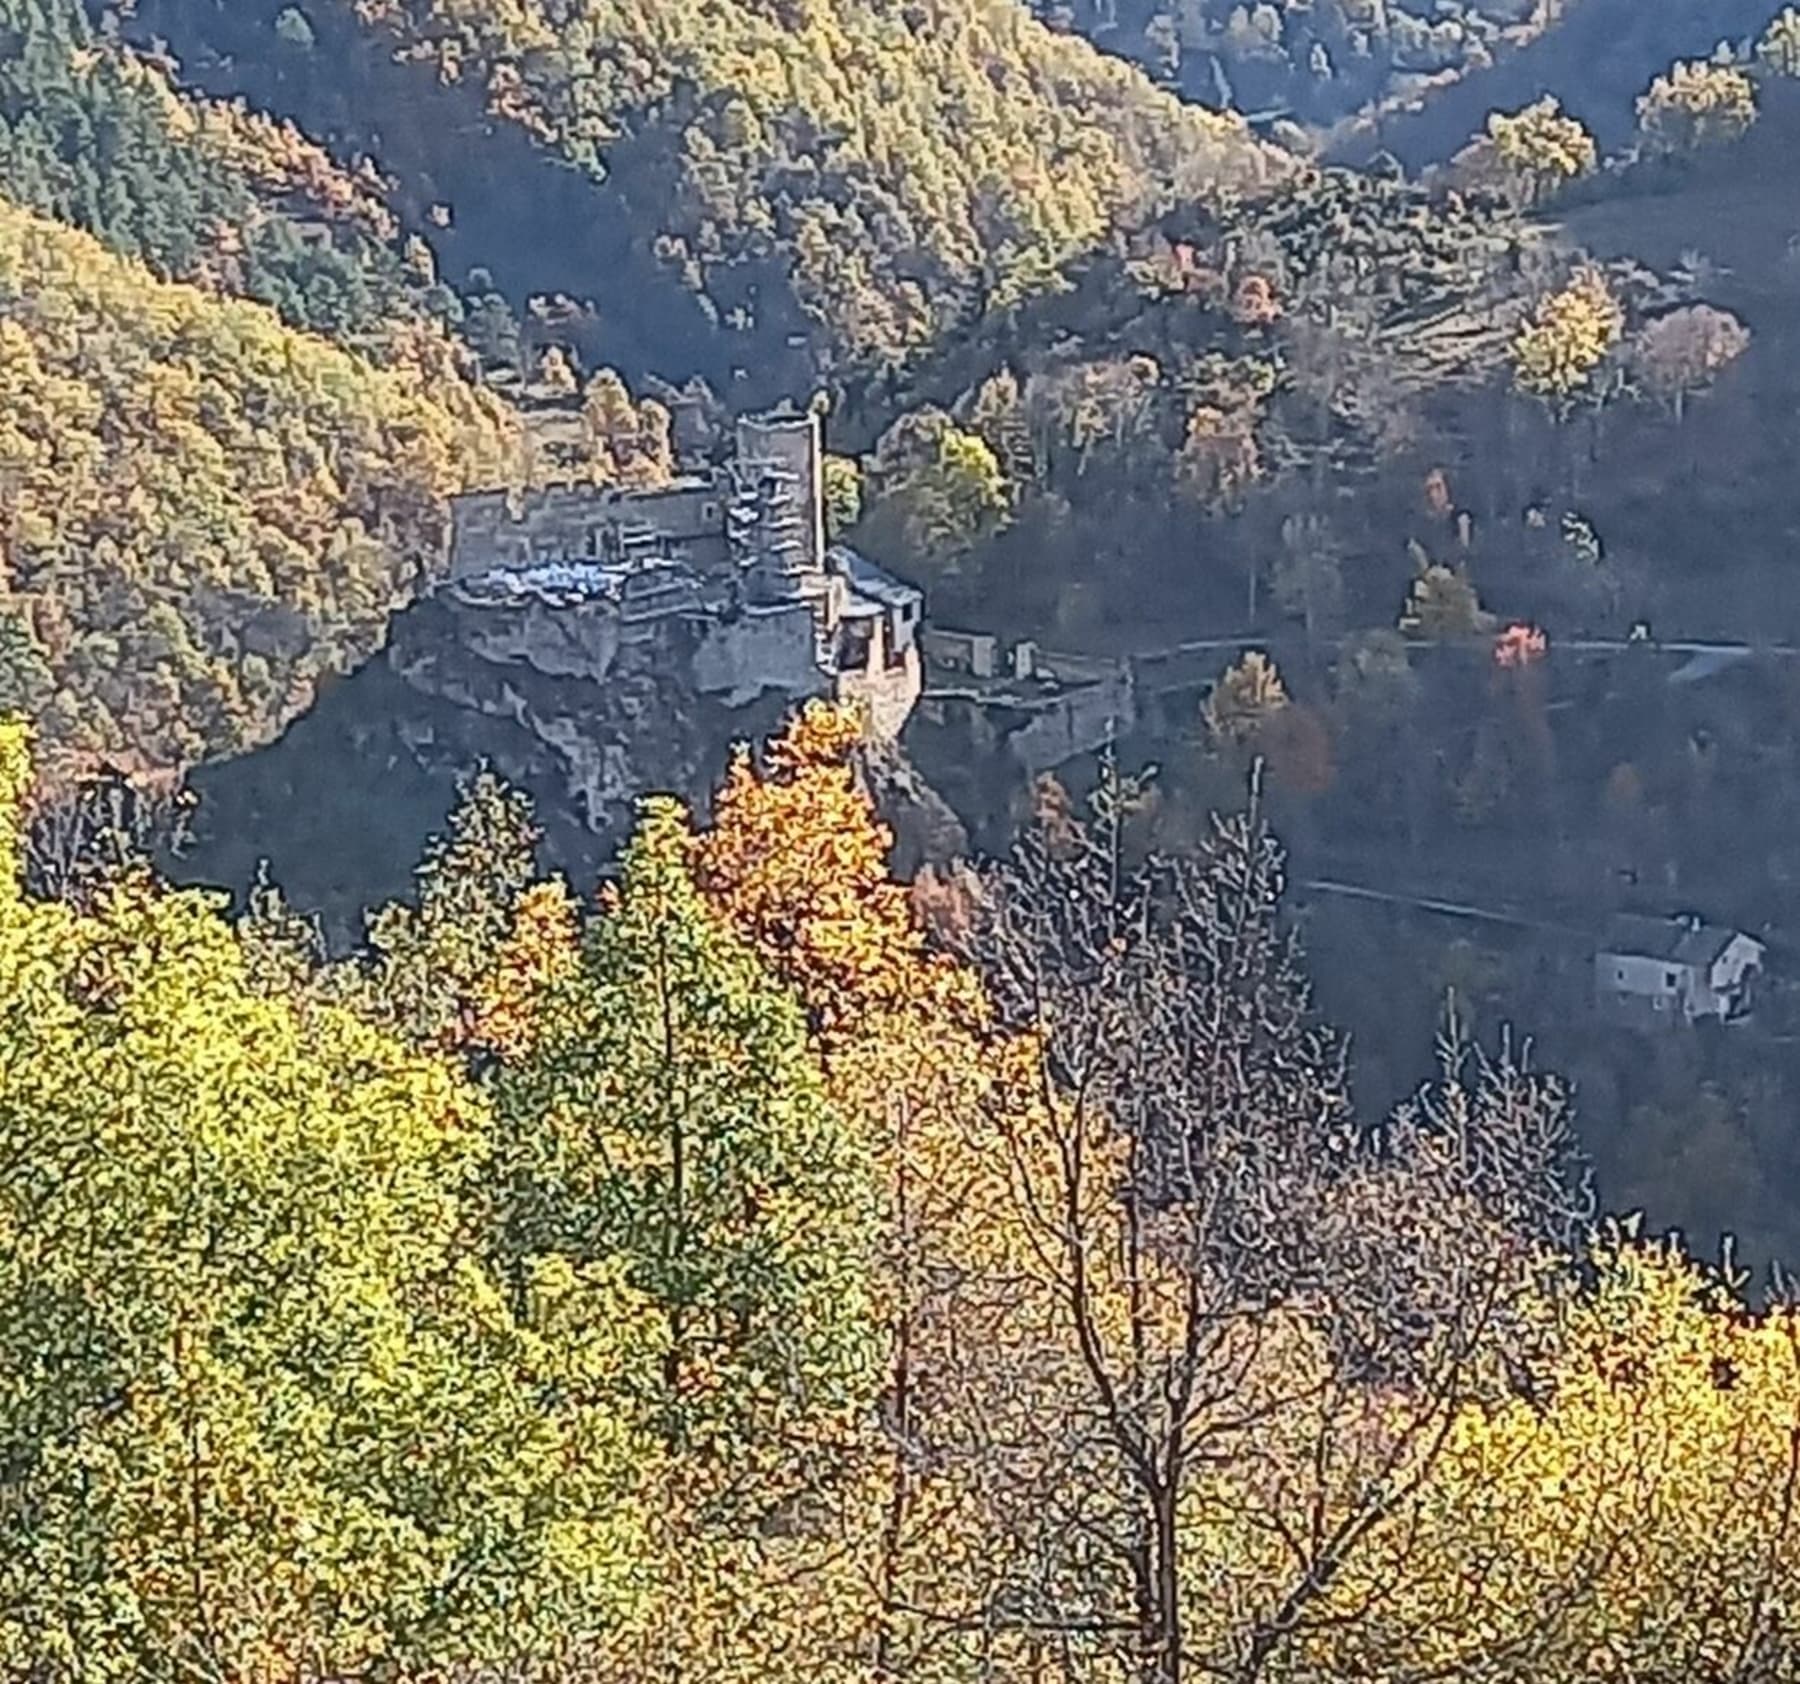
<point x="1628" y="1511"/>
<point x="628" y="443"/>
<point x="940" y="488"/>
<point x="208" y="511"/>
<point x="1248" y="694"/>
<point x="1557" y="353"/>
<point x="1005" y="148"/>
<point x="267" y="1414"/>
<point x="1541" y="147"/>
<point x="843" y="495"/>
<point x="1697" y="104"/>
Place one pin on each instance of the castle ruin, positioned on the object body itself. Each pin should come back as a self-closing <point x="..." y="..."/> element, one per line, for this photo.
<point x="726" y="575"/>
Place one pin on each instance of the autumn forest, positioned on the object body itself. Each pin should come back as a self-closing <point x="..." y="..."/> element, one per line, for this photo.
<point x="522" y="1168"/>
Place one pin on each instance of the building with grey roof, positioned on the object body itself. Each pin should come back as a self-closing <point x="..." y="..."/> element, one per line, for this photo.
<point x="1669" y="972"/>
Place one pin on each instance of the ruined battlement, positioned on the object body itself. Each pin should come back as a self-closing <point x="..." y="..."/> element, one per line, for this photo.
<point x="502" y="531"/>
<point x="760" y="515"/>
<point x="729" y="573"/>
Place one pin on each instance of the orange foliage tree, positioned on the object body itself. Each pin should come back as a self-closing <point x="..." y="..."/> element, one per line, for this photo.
<point x="797" y="861"/>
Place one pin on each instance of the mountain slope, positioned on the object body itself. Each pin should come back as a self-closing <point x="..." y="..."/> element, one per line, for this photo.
<point x="1596" y="60"/>
<point x="202" y="511"/>
<point x="862" y="173"/>
<point x="1318" y="60"/>
<point x="100" y="137"/>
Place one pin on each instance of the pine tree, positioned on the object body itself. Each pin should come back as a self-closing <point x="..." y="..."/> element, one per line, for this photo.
<point x="669" y="1115"/>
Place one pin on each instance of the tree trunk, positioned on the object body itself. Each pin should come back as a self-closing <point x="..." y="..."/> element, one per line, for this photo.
<point x="900" y="1495"/>
<point x="1168" y="1589"/>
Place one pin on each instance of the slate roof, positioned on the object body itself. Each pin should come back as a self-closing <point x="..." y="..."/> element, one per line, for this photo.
<point x="1674" y="941"/>
<point x="873" y="585"/>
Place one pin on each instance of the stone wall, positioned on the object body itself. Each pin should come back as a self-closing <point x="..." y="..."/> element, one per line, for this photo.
<point x="760" y="649"/>
<point x="1078" y="721"/>
<point x="887" y="686"/>
<point x="974" y="653"/>
<point x="493" y="529"/>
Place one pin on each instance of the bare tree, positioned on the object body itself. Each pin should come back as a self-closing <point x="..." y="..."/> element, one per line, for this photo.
<point x="1682" y="352"/>
<point x="1262" y="1318"/>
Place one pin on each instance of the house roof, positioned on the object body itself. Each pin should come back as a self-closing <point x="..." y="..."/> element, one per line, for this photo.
<point x="873" y="585"/>
<point x="1674" y="941"/>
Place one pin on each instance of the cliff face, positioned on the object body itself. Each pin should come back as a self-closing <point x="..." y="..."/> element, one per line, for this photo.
<point x="926" y="829"/>
<point x="589" y="712"/>
<point x="583" y="709"/>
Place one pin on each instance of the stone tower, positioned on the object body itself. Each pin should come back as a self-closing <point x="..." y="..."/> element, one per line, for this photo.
<point x="777" y="513"/>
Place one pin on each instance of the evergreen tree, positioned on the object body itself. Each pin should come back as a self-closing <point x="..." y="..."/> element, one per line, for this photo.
<point x="669" y="1116"/>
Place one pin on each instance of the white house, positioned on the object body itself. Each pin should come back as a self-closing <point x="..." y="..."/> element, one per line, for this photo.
<point x="1676" y="970"/>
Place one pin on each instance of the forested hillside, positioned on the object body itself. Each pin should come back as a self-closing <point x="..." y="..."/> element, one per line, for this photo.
<point x="202" y="511"/>
<point x="912" y="166"/>
<point x="1596" y="57"/>
<point x="740" y="1265"/>
<point x="736" y="1278"/>
<point x="1340" y="442"/>
<point x="865" y="176"/>
<point x="1413" y="76"/>
<point x="1313" y="60"/>
<point x="201" y="191"/>
<point x="1134" y="431"/>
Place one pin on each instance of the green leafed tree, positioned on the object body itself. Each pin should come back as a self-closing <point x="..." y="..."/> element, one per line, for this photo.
<point x="1308" y="575"/>
<point x="942" y="489"/>
<point x="1443" y="603"/>
<point x="264" y="1412"/>
<point x="293" y="29"/>
<point x="25" y="677"/>
<point x="843" y="494"/>
<point x="670" y="1116"/>
<point x="428" y="958"/>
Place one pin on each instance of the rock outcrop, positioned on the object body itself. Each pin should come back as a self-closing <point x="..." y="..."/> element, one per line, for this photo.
<point x="582" y="711"/>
